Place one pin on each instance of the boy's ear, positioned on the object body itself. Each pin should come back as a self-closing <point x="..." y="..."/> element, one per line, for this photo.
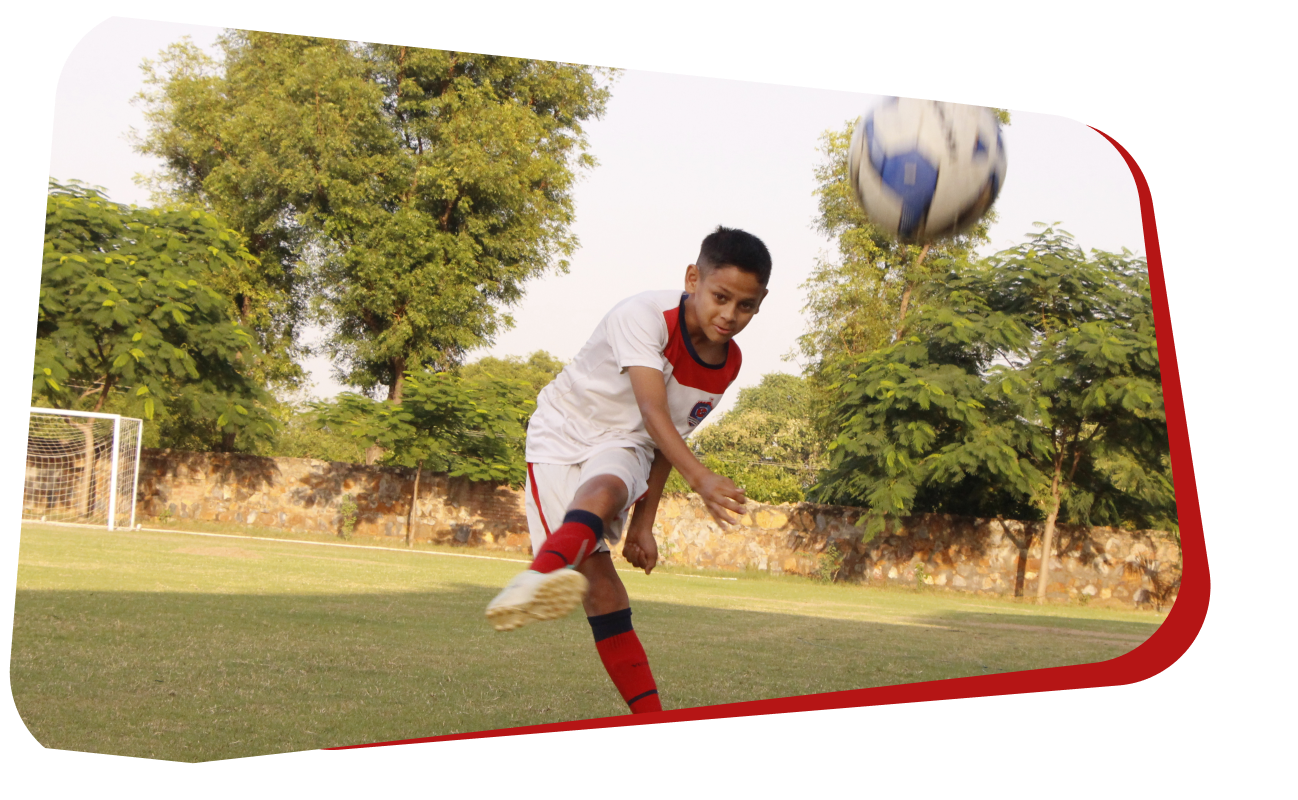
<point x="692" y="275"/>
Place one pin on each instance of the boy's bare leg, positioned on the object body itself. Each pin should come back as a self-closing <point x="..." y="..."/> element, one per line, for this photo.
<point x="607" y="593"/>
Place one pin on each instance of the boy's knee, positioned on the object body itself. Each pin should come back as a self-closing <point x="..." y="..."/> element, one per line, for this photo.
<point x="612" y="486"/>
<point x="604" y="495"/>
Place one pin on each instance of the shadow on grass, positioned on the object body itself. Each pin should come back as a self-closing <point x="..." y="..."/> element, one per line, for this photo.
<point x="197" y="676"/>
<point x="1059" y="625"/>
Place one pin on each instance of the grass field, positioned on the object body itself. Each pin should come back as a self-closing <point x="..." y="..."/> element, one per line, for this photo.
<point x="197" y="647"/>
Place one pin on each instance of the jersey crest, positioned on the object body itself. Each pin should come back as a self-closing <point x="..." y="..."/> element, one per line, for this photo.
<point x="700" y="411"/>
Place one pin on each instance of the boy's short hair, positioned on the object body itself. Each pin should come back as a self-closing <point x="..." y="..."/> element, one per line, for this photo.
<point x="735" y="248"/>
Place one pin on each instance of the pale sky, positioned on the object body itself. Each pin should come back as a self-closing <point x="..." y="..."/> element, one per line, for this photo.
<point x="678" y="155"/>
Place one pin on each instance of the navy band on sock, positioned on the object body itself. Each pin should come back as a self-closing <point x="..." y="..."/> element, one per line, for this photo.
<point x="586" y="518"/>
<point x="641" y="696"/>
<point x="558" y="555"/>
<point x="605" y="626"/>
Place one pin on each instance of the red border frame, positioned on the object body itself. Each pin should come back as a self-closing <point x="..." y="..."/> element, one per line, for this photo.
<point x="1156" y="654"/>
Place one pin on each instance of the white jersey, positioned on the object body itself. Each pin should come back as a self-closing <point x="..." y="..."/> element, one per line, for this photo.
<point x="590" y="406"/>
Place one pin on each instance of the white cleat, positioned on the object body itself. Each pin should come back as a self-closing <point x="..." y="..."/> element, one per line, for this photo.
<point x="535" y="596"/>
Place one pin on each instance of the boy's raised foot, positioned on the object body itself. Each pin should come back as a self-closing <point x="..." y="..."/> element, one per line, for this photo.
<point x="535" y="596"/>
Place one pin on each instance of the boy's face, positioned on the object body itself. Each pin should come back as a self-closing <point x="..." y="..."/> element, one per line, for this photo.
<point x="724" y="299"/>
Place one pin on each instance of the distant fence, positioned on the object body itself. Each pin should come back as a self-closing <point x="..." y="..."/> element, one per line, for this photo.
<point x="993" y="557"/>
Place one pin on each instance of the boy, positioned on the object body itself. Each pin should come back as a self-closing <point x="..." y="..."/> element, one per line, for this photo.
<point x="606" y="434"/>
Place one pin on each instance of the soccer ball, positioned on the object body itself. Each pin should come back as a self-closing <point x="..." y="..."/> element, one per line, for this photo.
<point x="923" y="170"/>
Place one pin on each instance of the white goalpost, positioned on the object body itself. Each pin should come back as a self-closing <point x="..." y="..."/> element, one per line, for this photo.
<point x="82" y="467"/>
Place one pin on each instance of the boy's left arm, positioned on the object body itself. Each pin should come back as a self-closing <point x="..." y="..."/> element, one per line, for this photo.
<point x="641" y="549"/>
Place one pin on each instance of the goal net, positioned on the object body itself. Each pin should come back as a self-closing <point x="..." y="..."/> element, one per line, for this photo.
<point x="81" y="467"/>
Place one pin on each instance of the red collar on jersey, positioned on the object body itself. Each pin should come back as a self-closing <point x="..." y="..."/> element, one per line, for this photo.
<point x="690" y="370"/>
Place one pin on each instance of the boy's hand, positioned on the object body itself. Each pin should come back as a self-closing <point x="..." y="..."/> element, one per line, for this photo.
<point x="641" y="549"/>
<point x="721" y="497"/>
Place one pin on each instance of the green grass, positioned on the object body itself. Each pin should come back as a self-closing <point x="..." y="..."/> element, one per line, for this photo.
<point x="191" y="648"/>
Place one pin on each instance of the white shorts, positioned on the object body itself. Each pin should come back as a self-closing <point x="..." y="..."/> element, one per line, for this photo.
<point x="549" y="490"/>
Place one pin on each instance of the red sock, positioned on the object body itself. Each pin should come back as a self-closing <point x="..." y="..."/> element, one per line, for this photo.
<point x="570" y="542"/>
<point x="623" y="656"/>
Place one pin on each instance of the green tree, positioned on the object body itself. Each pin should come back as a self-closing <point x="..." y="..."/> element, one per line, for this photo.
<point x="1028" y="382"/>
<point x="859" y="298"/>
<point x="423" y="187"/>
<point x="300" y="434"/>
<point x="129" y="320"/>
<point x="766" y="443"/>
<point x="536" y="371"/>
<point x="465" y="427"/>
<point x="233" y="144"/>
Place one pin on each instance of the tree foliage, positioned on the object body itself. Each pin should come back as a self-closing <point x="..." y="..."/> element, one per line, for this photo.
<point x="766" y="443"/>
<point x="422" y="187"/>
<point x="222" y="144"/>
<point x="858" y="299"/>
<point x="304" y="430"/>
<point x="444" y="423"/>
<point x="536" y="371"/>
<point x="1028" y="382"/>
<point x="129" y="319"/>
<point x="299" y="433"/>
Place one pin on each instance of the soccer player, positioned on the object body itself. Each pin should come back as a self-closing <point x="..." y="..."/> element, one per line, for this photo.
<point x="605" y="436"/>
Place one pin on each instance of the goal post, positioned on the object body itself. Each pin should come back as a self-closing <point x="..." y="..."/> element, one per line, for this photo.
<point x="82" y="467"/>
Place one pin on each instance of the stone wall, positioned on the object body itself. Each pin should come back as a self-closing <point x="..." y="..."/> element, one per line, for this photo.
<point x="306" y="495"/>
<point x="997" y="557"/>
<point x="984" y="556"/>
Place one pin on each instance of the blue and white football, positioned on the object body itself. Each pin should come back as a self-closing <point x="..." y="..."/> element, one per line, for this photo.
<point x="924" y="170"/>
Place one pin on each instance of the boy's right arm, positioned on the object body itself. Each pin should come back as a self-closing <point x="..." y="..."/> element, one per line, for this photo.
<point x="720" y="495"/>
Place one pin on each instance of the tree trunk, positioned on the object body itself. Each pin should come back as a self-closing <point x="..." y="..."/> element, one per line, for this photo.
<point x="398" y="380"/>
<point x="374" y="452"/>
<point x="905" y="301"/>
<point x="103" y="394"/>
<point x="414" y="499"/>
<point x="905" y="296"/>
<point x="1048" y="536"/>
